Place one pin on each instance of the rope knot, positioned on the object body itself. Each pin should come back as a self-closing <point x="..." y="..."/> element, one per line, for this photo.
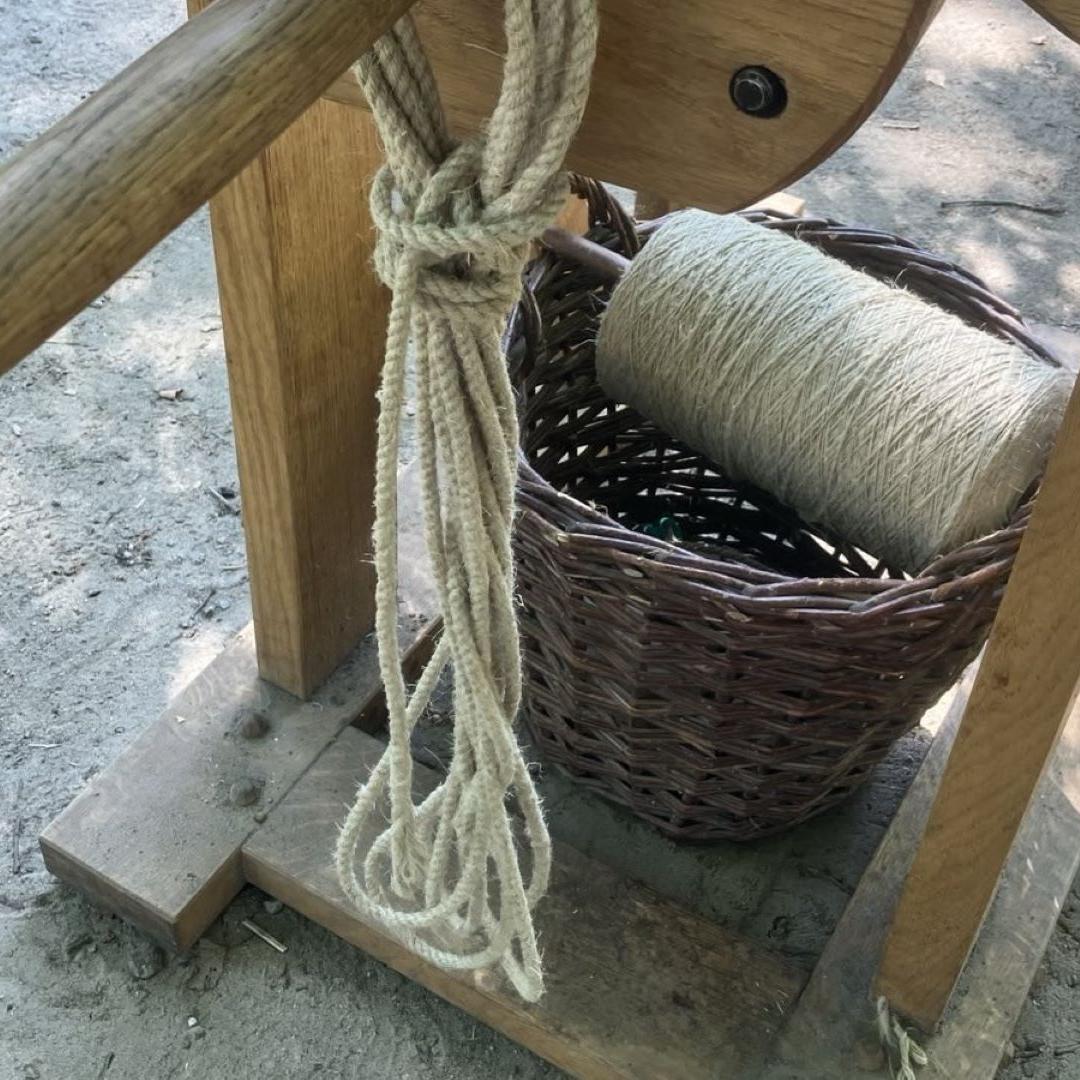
<point x="465" y="257"/>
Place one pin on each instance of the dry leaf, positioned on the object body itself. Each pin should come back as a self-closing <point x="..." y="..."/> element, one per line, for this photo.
<point x="1040" y="40"/>
<point x="174" y="394"/>
<point x="901" y="125"/>
<point x="935" y="76"/>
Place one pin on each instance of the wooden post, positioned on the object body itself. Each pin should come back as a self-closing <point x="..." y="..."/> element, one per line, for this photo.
<point x="304" y="320"/>
<point x="1020" y="700"/>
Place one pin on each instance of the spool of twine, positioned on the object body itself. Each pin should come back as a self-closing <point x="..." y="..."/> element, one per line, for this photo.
<point x="869" y="411"/>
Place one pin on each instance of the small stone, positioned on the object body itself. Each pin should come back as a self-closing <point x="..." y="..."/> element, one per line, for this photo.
<point x="192" y="1022"/>
<point x="272" y="907"/>
<point x="1034" y="1042"/>
<point x="76" y="943"/>
<point x="145" y="959"/>
<point x="251" y="725"/>
<point x="245" y="792"/>
<point x="260" y="816"/>
<point x="31" y="1071"/>
<point x="198" y="1032"/>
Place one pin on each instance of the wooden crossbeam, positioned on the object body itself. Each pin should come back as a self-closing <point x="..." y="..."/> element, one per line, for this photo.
<point x="81" y="204"/>
<point x="637" y="988"/>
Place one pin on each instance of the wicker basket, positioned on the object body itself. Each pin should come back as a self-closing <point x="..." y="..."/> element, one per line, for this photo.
<point x="750" y="676"/>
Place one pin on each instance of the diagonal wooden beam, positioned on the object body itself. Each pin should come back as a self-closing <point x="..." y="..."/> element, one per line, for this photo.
<point x="1018" y="705"/>
<point x="81" y="204"/>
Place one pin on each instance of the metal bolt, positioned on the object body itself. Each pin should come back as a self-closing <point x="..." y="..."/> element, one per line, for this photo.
<point x="758" y="92"/>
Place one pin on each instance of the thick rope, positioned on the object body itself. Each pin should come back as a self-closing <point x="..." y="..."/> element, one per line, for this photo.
<point x="455" y="221"/>
<point x="865" y="408"/>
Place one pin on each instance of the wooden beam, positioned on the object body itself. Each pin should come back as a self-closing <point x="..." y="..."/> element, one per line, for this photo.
<point x="87" y="199"/>
<point x="304" y="319"/>
<point x="833" y="1021"/>
<point x="156" y="836"/>
<point x="1064" y="14"/>
<point x="1020" y="700"/>
<point x="636" y="987"/>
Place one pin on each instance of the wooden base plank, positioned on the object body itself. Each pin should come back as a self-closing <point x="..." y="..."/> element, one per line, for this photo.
<point x="636" y="987"/>
<point x="156" y="837"/>
<point x="834" y="1020"/>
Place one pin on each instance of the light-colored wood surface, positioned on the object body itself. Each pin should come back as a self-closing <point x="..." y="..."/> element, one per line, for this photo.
<point x="88" y="198"/>
<point x="660" y="115"/>
<point x="1020" y="700"/>
<point x="156" y="837"/>
<point x="1064" y="14"/>
<point x="304" y="319"/>
<point x="834" y="1017"/>
<point x="636" y="987"/>
<point x="782" y="202"/>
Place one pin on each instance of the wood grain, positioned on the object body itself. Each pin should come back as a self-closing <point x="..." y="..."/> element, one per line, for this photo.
<point x="636" y="987"/>
<point x="1018" y="705"/>
<point x="87" y="199"/>
<point x="833" y="1021"/>
<point x="1064" y="14"/>
<point x="156" y="837"/>
<point x="304" y="319"/>
<point x="660" y="116"/>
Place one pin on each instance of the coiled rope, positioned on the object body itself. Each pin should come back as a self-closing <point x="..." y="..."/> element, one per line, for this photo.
<point x="454" y="221"/>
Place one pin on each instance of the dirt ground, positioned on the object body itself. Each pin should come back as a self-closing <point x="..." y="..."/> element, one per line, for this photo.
<point x="123" y="575"/>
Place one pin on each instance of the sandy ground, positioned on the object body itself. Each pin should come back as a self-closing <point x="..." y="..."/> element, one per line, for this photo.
<point x="122" y="575"/>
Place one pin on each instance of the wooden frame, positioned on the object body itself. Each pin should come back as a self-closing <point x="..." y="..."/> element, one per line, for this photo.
<point x="689" y="999"/>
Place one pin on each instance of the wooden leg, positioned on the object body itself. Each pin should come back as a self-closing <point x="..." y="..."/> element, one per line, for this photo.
<point x="1021" y="697"/>
<point x="304" y="320"/>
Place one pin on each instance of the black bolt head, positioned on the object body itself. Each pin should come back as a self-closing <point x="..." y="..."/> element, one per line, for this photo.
<point x="758" y="92"/>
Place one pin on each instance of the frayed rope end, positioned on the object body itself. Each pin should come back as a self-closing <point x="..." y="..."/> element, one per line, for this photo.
<point x="904" y="1054"/>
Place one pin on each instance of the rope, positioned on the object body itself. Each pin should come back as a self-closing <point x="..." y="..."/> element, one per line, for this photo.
<point x="904" y="1054"/>
<point x="868" y="410"/>
<point x="454" y="222"/>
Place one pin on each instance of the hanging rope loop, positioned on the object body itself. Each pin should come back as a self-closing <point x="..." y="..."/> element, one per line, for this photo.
<point x="454" y="222"/>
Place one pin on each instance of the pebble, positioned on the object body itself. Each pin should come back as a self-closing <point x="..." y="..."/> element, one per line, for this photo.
<point x="245" y="792"/>
<point x="145" y="959"/>
<point x="272" y="907"/>
<point x="76" y="943"/>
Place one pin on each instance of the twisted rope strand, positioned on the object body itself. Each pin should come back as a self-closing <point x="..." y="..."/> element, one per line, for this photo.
<point x="454" y="222"/>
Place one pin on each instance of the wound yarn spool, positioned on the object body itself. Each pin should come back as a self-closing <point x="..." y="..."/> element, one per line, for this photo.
<point x="868" y="410"/>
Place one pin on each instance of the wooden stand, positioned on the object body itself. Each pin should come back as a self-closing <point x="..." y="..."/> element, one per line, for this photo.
<point x="208" y="799"/>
